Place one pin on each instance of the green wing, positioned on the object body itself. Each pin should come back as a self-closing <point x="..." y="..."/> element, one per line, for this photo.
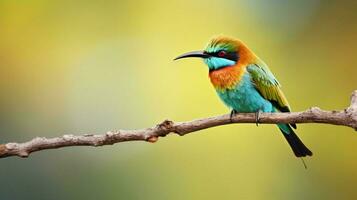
<point x="268" y="86"/>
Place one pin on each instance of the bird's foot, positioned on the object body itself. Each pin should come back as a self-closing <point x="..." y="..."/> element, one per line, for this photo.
<point x="233" y="112"/>
<point x="257" y="115"/>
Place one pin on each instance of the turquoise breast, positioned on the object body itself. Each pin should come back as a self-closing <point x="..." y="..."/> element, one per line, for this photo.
<point x="244" y="97"/>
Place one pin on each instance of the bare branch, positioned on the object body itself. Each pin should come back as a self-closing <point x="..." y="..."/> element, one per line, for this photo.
<point x="347" y="117"/>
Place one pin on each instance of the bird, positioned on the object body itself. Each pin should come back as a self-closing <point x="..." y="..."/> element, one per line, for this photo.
<point x="245" y="84"/>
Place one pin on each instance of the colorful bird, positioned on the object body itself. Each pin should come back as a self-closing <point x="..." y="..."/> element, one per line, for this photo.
<point x="245" y="84"/>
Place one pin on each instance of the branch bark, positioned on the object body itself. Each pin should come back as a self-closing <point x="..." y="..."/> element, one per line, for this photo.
<point x="346" y="117"/>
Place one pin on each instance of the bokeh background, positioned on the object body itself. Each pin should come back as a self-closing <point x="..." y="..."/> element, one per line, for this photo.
<point x="76" y="67"/>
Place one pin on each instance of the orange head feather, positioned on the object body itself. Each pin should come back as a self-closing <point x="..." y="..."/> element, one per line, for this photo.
<point x="226" y="58"/>
<point x="225" y="74"/>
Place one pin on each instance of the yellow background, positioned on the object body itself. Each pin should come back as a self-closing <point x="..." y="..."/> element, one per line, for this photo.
<point x="76" y="67"/>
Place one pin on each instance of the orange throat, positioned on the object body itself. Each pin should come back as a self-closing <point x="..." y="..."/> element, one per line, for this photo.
<point x="226" y="77"/>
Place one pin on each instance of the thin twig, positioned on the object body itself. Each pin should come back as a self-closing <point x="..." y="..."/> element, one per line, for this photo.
<point x="347" y="117"/>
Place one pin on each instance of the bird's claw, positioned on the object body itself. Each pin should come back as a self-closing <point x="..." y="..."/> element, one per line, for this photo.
<point x="233" y="112"/>
<point x="257" y="115"/>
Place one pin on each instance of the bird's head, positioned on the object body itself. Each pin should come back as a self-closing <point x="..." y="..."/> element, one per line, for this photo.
<point x="221" y="51"/>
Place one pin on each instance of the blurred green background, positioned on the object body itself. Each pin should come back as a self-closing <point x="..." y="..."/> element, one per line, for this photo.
<point x="75" y="67"/>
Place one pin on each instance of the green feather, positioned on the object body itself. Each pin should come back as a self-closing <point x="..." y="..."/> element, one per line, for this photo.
<point x="268" y="86"/>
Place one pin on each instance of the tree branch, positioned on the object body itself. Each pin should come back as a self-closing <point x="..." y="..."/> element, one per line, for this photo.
<point x="346" y="117"/>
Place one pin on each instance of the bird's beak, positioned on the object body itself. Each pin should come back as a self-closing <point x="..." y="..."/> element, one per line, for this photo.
<point x="199" y="54"/>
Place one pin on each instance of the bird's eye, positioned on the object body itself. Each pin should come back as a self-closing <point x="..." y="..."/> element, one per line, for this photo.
<point x="222" y="53"/>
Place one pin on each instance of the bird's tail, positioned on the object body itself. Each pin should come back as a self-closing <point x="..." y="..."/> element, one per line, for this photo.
<point x="299" y="149"/>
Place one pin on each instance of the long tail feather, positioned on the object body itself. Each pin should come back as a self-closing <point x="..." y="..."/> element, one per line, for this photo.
<point x="298" y="147"/>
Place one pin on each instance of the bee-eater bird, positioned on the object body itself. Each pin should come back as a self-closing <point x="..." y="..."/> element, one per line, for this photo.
<point x="245" y="84"/>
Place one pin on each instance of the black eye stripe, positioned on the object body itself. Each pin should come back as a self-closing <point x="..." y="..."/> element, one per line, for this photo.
<point x="229" y="55"/>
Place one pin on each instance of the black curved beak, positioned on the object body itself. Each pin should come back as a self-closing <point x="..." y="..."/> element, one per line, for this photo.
<point x="199" y="54"/>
